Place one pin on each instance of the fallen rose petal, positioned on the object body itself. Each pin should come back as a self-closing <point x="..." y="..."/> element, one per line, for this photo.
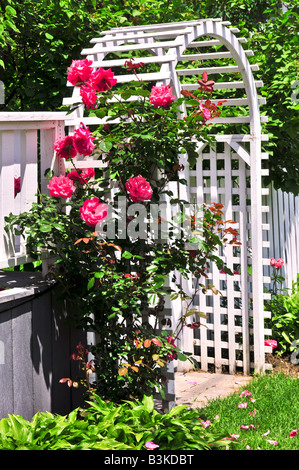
<point x="294" y="433"/>
<point x="242" y="405"/>
<point x="245" y="393"/>
<point x="266" y="433"/>
<point x="272" y="442"/>
<point x="206" y="423"/>
<point x="150" y="445"/>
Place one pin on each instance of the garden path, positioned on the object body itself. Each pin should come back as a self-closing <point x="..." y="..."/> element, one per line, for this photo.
<point x="196" y="388"/>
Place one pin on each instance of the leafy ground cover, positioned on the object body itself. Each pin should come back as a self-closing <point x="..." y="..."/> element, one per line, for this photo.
<point x="132" y="425"/>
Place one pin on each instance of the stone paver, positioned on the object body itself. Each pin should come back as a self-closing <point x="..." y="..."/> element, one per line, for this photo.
<point x="197" y="388"/>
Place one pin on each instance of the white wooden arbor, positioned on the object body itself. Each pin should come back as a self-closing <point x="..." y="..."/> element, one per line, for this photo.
<point x="177" y="54"/>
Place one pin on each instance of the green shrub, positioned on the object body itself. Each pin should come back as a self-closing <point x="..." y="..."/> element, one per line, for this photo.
<point x="285" y="320"/>
<point x="106" y="426"/>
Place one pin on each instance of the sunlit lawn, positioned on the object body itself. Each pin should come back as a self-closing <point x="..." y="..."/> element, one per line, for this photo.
<point x="272" y="410"/>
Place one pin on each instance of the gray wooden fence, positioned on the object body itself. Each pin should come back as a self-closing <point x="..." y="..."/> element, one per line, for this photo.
<point x="36" y="344"/>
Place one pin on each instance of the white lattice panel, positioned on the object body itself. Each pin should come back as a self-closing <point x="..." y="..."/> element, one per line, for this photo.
<point x="225" y="339"/>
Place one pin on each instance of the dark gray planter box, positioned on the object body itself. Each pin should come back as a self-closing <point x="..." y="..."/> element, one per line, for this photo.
<point x="36" y="343"/>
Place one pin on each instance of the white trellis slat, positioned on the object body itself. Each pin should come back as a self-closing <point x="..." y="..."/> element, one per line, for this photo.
<point x="222" y="85"/>
<point x="214" y="70"/>
<point x="211" y="56"/>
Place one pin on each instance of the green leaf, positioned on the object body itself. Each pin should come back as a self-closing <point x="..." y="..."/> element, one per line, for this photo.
<point x="90" y="283"/>
<point x="127" y="255"/>
<point x="148" y="403"/>
<point x="182" y="357"/>
<point x="101" y="113"/>
<point x="45" y="228"/>
<point x="105" y="145"/>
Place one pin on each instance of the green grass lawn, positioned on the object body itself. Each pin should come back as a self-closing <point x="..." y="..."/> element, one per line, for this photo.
<point x="271" y="413"/>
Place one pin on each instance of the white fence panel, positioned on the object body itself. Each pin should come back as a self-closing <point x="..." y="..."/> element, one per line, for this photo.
<point x="26" y="151"/>
<point x="284" y="234"/>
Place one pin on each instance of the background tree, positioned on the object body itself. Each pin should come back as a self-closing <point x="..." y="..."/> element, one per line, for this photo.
<point x="38" y="41"/>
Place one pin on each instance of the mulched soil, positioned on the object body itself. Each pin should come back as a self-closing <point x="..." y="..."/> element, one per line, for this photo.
<point x="283" y="364"/>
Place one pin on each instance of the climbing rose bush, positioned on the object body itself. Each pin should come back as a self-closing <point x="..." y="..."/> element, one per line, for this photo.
<point x="112" y="278"/>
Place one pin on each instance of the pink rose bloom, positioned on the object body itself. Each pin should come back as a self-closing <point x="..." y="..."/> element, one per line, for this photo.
<point x="61" y="186"/>
<point x="81" y="176"/>
<point x="89" y="97"/>
<point x="170" y="340"/>
<point x="17" y="185"/>
<point x="79" y="71"/>
<point x="102" y="80"/>
<point x="161" y="95"/>
<point x="271" y="342"/>
<point x="139" y="189"/>
<point x="93" y="212"/>
<point x="279" y="263"/>
<point x="206" y="113"/>
<point x="83" y="140"/>
<point x="65" y="147"/>
<point x="87" y="174"/>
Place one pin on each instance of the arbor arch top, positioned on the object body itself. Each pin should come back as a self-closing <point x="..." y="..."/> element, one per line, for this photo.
<point x="177" y="54"/>
<point x="169" y="50"/>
